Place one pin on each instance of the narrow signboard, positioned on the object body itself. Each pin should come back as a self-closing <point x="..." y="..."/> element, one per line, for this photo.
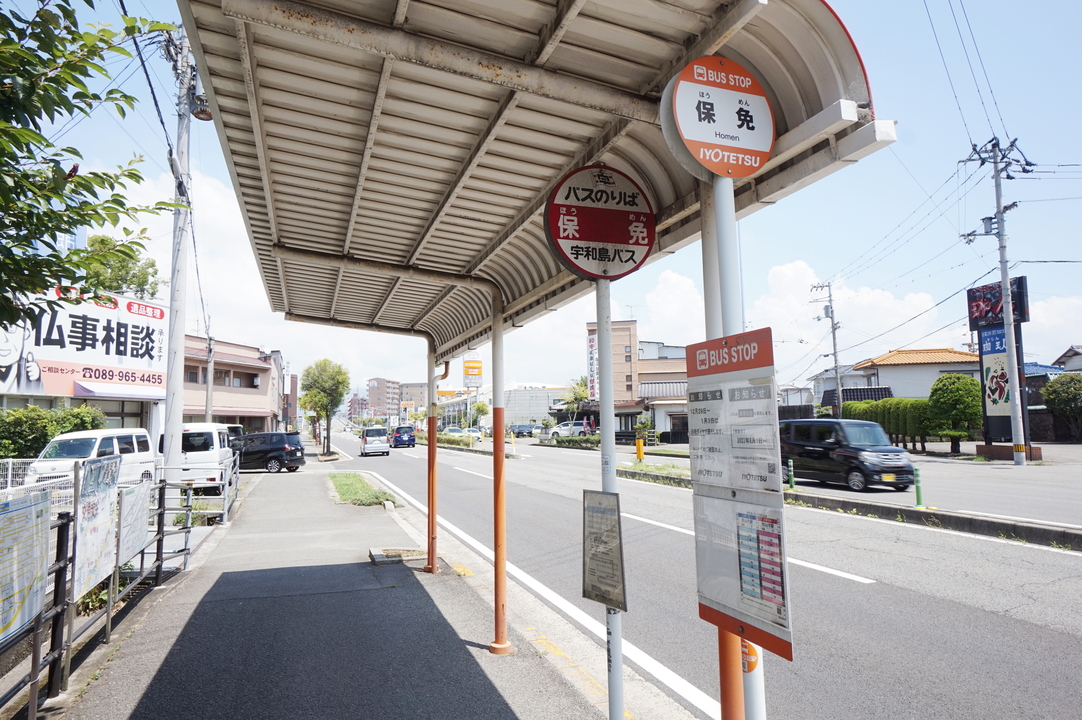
<point x="95" y="522"/>
<point x="737" y="478"/>
<point x="603" y="549"/>
<point x="24" y="560"/>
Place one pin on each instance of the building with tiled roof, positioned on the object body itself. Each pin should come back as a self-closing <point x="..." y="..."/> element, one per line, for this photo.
<point x="911" y="373"/>
<point x="1071" y="359"/>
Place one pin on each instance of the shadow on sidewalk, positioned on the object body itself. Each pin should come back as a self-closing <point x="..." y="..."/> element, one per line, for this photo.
<point x="331" y="641"/>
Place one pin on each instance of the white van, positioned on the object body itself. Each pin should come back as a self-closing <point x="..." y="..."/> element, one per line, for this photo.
<point x="206" y="452"/>
<point x="57" y="460"/>
<point x="374" y="440"/>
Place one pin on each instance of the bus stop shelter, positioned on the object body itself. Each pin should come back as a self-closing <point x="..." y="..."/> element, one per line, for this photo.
<point x="392" y="158"/>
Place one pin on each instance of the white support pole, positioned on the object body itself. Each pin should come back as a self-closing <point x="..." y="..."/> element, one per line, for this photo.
<point x="501" y="645"/>
<point x="607" y="421"/>
<point x="178" y="280"/>
<point x="732" y="303"/>
<point x="711" y="265"/>
<point x="1017" y="383"/>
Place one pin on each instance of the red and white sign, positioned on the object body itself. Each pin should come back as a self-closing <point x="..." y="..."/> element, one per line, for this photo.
<point x="600" y="223"/>
<point x="723" y="117"/>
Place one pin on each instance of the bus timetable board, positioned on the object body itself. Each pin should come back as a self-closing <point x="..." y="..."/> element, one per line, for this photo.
<point x="736" y="470"/>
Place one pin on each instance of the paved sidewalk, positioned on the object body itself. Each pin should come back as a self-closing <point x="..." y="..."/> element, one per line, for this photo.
<point x="283" y="615"/>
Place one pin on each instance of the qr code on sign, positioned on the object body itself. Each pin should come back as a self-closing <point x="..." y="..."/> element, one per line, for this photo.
<point x="772" y="468"/>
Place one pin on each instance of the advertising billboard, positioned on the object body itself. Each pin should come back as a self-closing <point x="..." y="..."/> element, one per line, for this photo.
<point x="111" y="347"/>
<point x="985" y="304"/>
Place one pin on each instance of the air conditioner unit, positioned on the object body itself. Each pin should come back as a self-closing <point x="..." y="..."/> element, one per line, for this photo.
<point x="255" y="381"/>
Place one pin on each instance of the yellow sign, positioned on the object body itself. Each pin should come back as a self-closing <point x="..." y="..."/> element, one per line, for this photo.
<point x="471" y="367"/>
<point x="407" y="403"/>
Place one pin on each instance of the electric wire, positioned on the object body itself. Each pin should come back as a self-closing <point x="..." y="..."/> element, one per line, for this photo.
<point x="972" y="72"/>
<point x="980" y="59"/>
<point x="947" y="71"/>
<point x="150" y="84"/>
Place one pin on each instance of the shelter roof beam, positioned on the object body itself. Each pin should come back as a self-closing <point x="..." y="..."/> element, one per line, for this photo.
<point x="710" y="40"/>
<point x="369" y="142"/>
<point x="251" y="89"/>
<point x="553" y="32"/>
<point x="353" y="32"/>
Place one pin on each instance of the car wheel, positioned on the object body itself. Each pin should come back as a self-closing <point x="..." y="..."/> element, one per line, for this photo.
<point x="387" y="453"/>
<point x="582" y="434"/>
<point x="855" y="480"/>
<point x="901" y="488"/>
<point x="554" y="434"/>
<point x="292" y="469"/>
<point x="274" y="466"/>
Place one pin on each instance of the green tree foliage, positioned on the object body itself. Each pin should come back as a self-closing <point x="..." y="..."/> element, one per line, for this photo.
<point x="24" y="432"/>
<point x="478" y="411"/>
<point x="48" y="65"/>
<point x="114" y="272"/>
<point x="954" y="408"/>
<point x="577" y="395"/>
<point x="1063" y="396"/>
<point x="917" y="422"/>
<point x="324" y="385"/>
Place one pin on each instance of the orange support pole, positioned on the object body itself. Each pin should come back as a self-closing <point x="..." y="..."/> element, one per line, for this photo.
<point x="433" y="565"/>
<point x="499" y="646"/>
<point x="730" y="664"/>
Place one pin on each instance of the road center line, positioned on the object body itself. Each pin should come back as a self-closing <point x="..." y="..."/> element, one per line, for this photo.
<point x="664" y="675"/>
<point x="418" y="457"/>
<point x="471" y="472"/>
<point x="813" y="566"/>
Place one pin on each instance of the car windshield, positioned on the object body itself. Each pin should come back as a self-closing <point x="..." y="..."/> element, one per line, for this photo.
<point x="866" y="435"/>
<point x="375" y="432"/>
<point x="404" y="429"/>
<point x="294" y="439"/>
<point x="76" y="448"/>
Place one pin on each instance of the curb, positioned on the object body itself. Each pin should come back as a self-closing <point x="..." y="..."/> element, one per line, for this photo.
<point x="654" y="477"/>
<point x="1057" y="536"/>
<point x="472" y="451"/>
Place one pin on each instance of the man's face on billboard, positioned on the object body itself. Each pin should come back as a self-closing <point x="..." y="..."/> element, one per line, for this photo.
<point x="11" y="343"/>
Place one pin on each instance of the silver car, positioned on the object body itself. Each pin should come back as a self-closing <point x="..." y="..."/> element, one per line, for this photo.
<point x="374" y="441"/>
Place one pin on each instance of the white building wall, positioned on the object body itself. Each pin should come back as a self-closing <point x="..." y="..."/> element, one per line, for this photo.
<point x="915" y="381"/>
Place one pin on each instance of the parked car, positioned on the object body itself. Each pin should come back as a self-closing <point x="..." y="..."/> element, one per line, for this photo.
<point x="474" y="433"/>
<point x="855" y="452"/>
<point x="537" y="430"/>
<point x="453" y="431"/>
<point x="374" y="441"/>
<point x="404" y="436"/>
<point x="569" y="429"/>
<point x="57" y="460"/>
<point x="520" y="430"/>
<point x="270" y="451"/>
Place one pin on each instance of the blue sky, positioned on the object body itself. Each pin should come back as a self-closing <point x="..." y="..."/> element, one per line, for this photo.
<point x="885" y="231"/>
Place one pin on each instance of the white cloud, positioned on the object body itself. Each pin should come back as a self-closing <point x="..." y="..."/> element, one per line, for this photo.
<point x="674" y="311"/>
<point x="1052" y="329"/>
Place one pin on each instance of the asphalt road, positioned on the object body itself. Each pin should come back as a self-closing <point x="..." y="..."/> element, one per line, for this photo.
<point x="926" y="623"/>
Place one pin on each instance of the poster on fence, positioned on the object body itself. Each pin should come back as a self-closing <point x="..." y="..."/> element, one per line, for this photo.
<point x="134" y="520"/>
<point x="95" y="523"/>
<point x="24" y="561"/>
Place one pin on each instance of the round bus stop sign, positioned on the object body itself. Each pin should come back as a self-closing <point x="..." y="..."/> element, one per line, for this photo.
<point x="600" y="223"/>
<point x="723" y="117"/>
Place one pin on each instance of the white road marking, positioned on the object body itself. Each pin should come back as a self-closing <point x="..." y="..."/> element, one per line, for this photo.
<point x="664" y="675"/>
<point x="802" y="563"/>
<point x="413" y="456"/>
<point x="339" y="451"/>
<point x="1021" y="519"/>
<point x="471" y="472"/>
<point x="522" y="456"/>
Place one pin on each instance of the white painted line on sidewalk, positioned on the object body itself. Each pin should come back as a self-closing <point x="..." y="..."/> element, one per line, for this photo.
<point x="471" y="472"/>
<point x="802" y="563"/>
<point x="664" y="675"/>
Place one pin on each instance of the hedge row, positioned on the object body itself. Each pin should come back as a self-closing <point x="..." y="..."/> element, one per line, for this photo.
<point x="452" y="440"/>
<point x="902" y="418"/>
<point x="588" y="441"/>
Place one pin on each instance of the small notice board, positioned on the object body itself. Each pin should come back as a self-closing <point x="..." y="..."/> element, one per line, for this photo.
<point x="602" y="549"/>
<point x="739" y="505"/>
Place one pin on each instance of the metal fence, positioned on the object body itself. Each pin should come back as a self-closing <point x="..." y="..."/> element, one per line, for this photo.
<point x="13" y="472"/>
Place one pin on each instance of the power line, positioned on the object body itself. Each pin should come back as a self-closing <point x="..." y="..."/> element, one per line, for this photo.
<point x="972" y="72"/>
<point x="947" y="71"/>
<point x="150" y="84"/>
<point x="988" y="82"/>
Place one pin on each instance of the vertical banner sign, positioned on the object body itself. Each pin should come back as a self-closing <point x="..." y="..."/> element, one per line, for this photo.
<point x="737" y="478"/>
<point x="994" y="377"/>
<point x="599" y="223"/>
<point x="24" y="560"/>
<point x="472" y="372"/>
<point x="591" y="366"/>
<point x="723" y="117"/>
<point x="133" y="526"/>
<point x="95" y="523"/>
<point x="603" y="549"/>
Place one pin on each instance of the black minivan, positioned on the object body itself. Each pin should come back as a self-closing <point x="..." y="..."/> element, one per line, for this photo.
<point x="855" y="452"/>
<point x="270" y="451"/>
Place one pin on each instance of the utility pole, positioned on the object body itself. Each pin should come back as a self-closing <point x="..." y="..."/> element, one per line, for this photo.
<point x="828" y="313"/>
<point x="208" y="412"/>
<point x="1001" y="164"/>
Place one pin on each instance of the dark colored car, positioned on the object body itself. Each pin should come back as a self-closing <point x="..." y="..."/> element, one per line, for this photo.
<point x="270" y="451"/>
<point x="855" y="452"/>
<point x="520" y="430"/>
<point x="403" y="436"/>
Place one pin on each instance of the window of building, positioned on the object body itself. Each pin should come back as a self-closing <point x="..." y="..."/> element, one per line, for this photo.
<point x="627" y="358"/>
<point x="191" y="374"/>
<point x="627" y="348"/>
<point x="627" y="387"/>
<point x="236" y="379"/>
<point x="627" y="378"/>
<point x="221" y="377"/>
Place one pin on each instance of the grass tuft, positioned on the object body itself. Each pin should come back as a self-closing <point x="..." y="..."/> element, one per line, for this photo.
<point x="354" y="489"/>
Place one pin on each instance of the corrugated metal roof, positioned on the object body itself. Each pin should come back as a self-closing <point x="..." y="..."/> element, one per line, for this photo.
<point x="856" y="394"/>
<point x="663" y="389"/>
<point x="385" y="151"/>
<point x="921" y="357"/>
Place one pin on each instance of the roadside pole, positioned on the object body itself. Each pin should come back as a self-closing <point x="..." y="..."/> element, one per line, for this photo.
<point x="607" y="417"/>
<point x="432" y="566"/>
<point x="501" y="645"/>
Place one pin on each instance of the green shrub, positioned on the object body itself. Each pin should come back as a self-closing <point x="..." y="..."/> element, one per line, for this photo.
<point x="954" y="408"/>
<point x="917" y="422"/>
<point x="589" y="441"/>
<point x="24" y="432"/>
